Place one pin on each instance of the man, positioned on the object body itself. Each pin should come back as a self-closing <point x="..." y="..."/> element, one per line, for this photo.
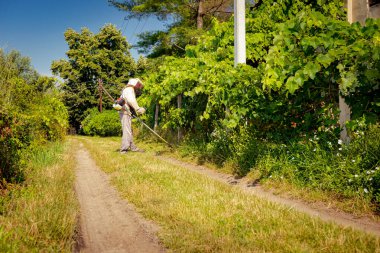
<point x="133" y="87"/>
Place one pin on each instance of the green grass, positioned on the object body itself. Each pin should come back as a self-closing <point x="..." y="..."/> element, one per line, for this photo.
<point x="308" y="172"/>
<point x="282" y="179"/>
<point x="40" y="215"/>
<point x="198" y="214"/>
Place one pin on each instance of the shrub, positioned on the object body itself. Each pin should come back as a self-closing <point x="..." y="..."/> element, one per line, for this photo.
<point x="106" y="123"/>
<point x="30" y="113"/>
<point x="348" y="170"/>
<point x="12" y="141"/>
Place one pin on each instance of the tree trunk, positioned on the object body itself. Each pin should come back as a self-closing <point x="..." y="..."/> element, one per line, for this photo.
<point x="156" y="116"/>
<point x="200" y="14"/>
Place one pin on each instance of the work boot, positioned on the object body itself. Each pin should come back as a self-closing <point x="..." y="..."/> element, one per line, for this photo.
<point x="138" y="150"/>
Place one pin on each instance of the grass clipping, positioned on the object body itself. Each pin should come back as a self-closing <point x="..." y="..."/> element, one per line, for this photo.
<point x="40" y="215"/>
<point x="198" y="214"/>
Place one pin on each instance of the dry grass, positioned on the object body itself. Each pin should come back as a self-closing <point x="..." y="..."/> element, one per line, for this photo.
<point x="40" y="215"/>
<point x="198" y="214"/>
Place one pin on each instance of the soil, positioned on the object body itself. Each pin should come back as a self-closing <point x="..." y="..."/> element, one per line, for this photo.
<point x="108" y="223"/>
<point x="317" y="210"/>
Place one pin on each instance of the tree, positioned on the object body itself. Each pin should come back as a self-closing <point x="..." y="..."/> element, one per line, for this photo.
<point x="91" y="56"/>
<point x="185" y="16"/>
<point x="206" y="71"/>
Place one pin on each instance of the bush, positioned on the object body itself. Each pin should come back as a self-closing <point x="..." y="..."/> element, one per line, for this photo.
<point x="44" y="121"/>
<point x="12" y="141"/>
<point x="50" y="118"/>
<point x="30" y="114"/>
<point x="348" y="170"/>
<point x="103" y="124"/>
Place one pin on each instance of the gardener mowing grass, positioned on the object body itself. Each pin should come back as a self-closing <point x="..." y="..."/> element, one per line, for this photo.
<point x="127" y="105"/>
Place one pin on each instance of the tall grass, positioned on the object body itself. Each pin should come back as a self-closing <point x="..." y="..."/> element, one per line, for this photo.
<point x="316" y="169"/>
<point x="40" y="215"/>
<point x="198" y="214"/>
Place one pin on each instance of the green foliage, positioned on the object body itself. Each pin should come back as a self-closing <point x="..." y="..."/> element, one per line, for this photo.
<point x="300" y="56"/>
<point x="106" y="123"/>
<point x="235" y="95"/>
<point x="314" y="48"/>
<point x="91" y="56"/>
<point x="31" y="113"/>
<point x="188" y="20"/>
<point x="347" y="170"/>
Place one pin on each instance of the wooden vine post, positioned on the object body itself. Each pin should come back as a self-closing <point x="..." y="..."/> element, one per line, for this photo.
<point x="156" y="113"/>
<point x="100" y="83"/>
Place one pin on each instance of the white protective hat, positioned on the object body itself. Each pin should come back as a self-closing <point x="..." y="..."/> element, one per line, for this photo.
<point x="133" y="81"/>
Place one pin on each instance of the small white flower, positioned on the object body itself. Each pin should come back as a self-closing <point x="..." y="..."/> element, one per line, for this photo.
<point x="340" y="142"/>
<point x="365" y="190"/>
<point x="314" y="149"/>
<point x="370" y="179"/>
<point x="340" y="149"/>
<point x="350" y="180"/>
<point x="337" y="154"/>
<point x="356" y="175"/>
<point x="368" y="172"/>
<point x="377" y="168"/>
<point x="353" y="161"/>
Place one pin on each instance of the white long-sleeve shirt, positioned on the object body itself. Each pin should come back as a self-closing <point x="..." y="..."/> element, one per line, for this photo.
<point x="129" y="96"/>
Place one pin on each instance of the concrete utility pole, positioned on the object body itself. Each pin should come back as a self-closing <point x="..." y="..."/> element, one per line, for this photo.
<point x="357" y="11"/>
<point x="360" y="10"/>
<point x="239" y="31"/>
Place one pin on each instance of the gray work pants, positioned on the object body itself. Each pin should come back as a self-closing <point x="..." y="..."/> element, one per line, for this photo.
<point x="127" y="138"/>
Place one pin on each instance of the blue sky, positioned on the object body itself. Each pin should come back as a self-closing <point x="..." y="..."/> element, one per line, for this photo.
<point x="35" y="28"/>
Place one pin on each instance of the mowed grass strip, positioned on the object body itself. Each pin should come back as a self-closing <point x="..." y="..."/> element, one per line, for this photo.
<point x="40" y="215"/>
<point x="198" y="214"/>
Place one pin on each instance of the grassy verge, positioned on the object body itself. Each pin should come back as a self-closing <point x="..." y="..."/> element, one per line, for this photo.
<point x="357" y="204"/>
<point x="198" y="214"/>
<point x="311" y="174"/>
<point x="40" y="215"/>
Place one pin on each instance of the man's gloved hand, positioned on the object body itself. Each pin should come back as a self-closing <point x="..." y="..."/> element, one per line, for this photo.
<point x="117" y="107"/>
<point x="140" y="111"/>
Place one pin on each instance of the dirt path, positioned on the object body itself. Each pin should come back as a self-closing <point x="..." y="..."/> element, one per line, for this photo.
<point x="323" y="212"/>
<point x="108" y="223"/>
